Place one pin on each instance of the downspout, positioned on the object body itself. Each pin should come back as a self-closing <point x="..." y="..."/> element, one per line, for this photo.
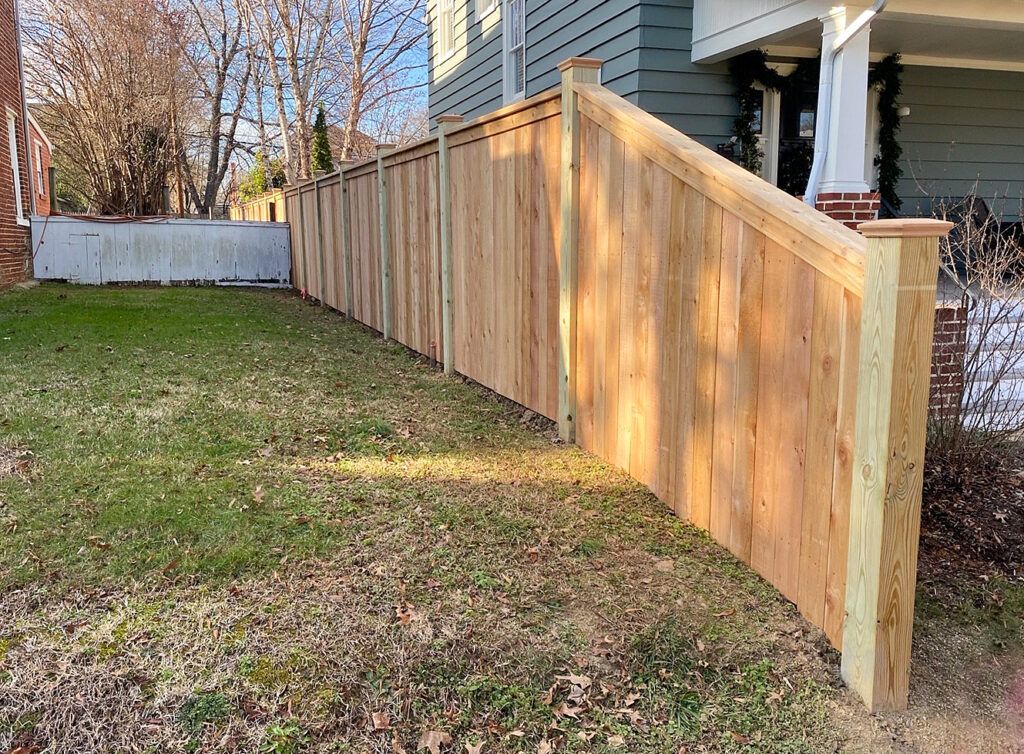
<point x="25" y="128"/>
<point x="828" y="58"/>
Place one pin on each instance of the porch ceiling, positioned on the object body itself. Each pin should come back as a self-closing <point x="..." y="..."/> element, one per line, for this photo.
<point x="979" y="34"/>
<point x="924" y="41"/>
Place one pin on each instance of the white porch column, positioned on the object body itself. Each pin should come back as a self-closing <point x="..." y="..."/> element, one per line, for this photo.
<point x="843" y="171"/>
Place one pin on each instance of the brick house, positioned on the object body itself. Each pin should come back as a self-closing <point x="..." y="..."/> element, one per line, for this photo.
<point x="17" y="200"/>
<point x="42" y="161"/>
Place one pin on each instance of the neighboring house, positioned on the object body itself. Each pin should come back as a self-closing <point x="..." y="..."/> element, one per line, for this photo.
<point x="16" y="195"/>
<point x="963" y="81"/>
<point x="42" y="161"/>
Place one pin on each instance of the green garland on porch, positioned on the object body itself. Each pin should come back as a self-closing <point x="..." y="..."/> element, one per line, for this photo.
<point x="886" y="77"/>
<point x="751" y="68"/>
<point x="747" y="71"/>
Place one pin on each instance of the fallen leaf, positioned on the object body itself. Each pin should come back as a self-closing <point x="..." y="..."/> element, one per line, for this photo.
<point x="381" y="721"/>
<point x="474" y="748"/>
<point x="544" y="747"/>
<point x="405" y="613"/>
<point x="739" y="737"/>
<point x="616" y="741"/>
<point x="665" y="565"/>
<point x="257" y="494"/>
<point x="433" y="740"/>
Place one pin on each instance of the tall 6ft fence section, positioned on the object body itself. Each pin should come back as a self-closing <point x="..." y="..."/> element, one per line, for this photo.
<point x="760" y="367"/>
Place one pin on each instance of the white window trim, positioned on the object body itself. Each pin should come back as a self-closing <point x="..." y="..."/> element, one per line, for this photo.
<point x="484" y="8"/>
<point x="871" y="140"/>
<point x="12" y="145"/>
<point x="445" y="7"/>
<point x="507" y="75"/>
<point x="38" y="165"/>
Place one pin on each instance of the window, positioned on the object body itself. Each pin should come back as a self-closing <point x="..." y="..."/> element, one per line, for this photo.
<point x="12" y="145"/>
<point x="513" y="22"/>
<point x="446" y="29"/>
<point x="40" y="185"/>
<point x="485" y="8"/>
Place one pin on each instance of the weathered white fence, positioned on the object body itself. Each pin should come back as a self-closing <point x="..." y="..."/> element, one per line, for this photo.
<point x="89" y="251"/>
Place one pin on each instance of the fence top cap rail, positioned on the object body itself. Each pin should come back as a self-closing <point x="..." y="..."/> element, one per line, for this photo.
<point x="504" y="112"/>
<point x="579" y="63"/>
<point x="924" y="227"/>
<point x="833" y="248"/>
<point x="449" y="118"/>
<point x="385" y="147"/>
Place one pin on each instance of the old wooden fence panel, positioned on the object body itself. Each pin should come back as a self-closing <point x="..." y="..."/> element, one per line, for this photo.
<point x="680" y="318"/>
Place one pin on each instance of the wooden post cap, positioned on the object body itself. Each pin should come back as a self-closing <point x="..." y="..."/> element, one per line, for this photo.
<point x="449" y="118"/>
<point x="580" y="63"/>
<point x="905" y="228"/>
<point x="385" y="147"/>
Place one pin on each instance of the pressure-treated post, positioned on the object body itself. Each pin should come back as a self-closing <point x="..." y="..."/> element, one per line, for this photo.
<point x="302" y="241"/>
<point x="444" y="201"/>
<point x="346" y="235"/>
<point x="385" y="241"/>
<point x="894" y="369"/>
<point x="320" y="240"/>
<point x="574" y="71"/>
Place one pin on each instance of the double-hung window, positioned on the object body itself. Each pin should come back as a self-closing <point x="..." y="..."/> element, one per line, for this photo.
<point x="12" y="144"/>
<point x="513" y="33"/>
<point x="445" y="29"/>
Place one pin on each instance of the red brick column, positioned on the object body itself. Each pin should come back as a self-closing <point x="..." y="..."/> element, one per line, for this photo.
<point x="948" y="352"/>
<point x="850" y="209"/>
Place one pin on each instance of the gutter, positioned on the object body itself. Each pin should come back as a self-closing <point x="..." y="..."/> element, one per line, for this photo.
<point x="828" y="59"/>
<point x="24" y="112"/>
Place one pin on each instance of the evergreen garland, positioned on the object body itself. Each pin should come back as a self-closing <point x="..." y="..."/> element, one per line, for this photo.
<point x="748" y="70"/>
<point x="751" y="68"/>
<point x="321" y="148"/>
<point x="886" y="78"/>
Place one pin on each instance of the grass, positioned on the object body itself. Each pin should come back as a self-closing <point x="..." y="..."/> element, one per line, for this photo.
<point x="240" y="523"/>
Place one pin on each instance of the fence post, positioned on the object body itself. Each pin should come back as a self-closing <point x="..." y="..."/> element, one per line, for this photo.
<point x="302" y="239"/>
<point x="444" y="201"/>
<point x="320" y="239"/>
<point x="574" y="71"/>
<point x="346" y="238"/>
<point x="894" y="368"/>
<point x="385" y="241"/>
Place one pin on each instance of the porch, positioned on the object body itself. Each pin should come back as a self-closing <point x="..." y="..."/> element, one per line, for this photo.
<point x="959" y="117"/>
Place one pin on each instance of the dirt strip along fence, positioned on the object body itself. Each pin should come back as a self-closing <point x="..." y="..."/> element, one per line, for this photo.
<point x="763" y="369"/>
<point x="267" y="207"/>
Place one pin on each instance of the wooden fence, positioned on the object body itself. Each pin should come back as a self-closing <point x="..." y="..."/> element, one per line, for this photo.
<point x="268" y="207"/>
<point x="736" y="351"/>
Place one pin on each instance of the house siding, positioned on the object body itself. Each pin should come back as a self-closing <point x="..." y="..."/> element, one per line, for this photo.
<point x="645" y="47"/>
<point x="965" y="133"/>
<point x="694" y="98"/>
<point x="14" y="249"/>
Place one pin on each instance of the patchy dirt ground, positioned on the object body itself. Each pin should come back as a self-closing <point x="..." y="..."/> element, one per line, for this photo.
<point x="250" y="526"/>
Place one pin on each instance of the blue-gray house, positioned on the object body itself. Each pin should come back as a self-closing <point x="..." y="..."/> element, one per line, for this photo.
<point x="960" y="113"/>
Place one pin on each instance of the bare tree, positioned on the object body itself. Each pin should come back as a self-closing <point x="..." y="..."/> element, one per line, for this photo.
<point x="983" y="267"/>
<point x="379" y="57"/>
<point x="294" y="35"/>
<point x="213" y="46"/>
<point x="105" y="72"/>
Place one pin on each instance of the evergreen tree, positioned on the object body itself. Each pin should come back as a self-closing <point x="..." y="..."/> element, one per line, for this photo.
<point x="321" y="150"/>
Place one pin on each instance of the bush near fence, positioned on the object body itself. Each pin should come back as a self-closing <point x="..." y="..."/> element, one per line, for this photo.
<point x="733" y="349"/>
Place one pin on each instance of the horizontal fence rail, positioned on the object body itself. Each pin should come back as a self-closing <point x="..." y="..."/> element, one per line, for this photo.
<point x="761" y="368"/>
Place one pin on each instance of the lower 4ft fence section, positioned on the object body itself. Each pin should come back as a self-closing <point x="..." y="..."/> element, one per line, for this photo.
<point x="760" y="367"/>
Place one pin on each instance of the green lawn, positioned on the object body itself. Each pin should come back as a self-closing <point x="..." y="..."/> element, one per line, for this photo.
<point x="232" y="521"/>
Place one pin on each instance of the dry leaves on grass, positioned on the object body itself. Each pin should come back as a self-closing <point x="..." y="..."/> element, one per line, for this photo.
<point x="433" y="740"/>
